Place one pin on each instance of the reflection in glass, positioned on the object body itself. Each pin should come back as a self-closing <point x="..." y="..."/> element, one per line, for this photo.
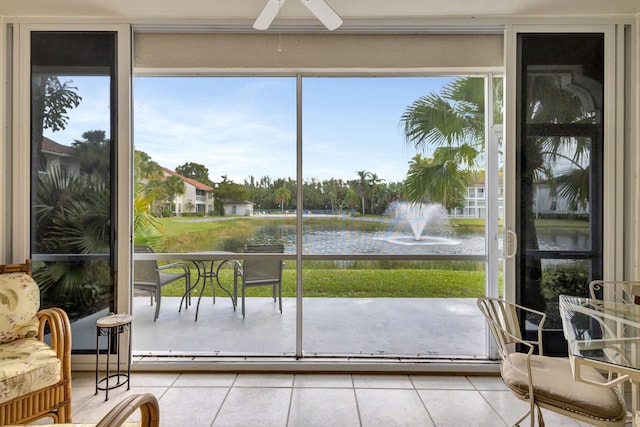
<point x="71" y="173"/>
<point x="559" y="162"/>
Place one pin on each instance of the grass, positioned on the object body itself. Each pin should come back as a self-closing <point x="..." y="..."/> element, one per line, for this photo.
<point x="349" y="283"/>
<point x="362" y="279"/>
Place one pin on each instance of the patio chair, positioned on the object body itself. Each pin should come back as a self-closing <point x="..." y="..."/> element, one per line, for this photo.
<point x="259" y="272"/>
<point x="615" y="290"/>
<point x="543" y="381"/>
<point x="149" y="277"/>
<point x="35" y="352"/>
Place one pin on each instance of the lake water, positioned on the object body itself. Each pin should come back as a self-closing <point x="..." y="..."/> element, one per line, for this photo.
<point x="320" y="240"/>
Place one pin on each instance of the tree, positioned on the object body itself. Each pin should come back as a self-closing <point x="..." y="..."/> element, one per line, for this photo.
<point x="50" y="102"/>
<point x="451" y="124"/>
<point x="174" y="186"/>
<point x="227" y="191"/>
<point x="195" y="171"/>
<point x="147" y="229"/>
<point x="92" y="153"/>
<point x="144" y="167"/>
<point x="282" y="196"/>
<point x="351" y="198"/>
<point x="73" y="217"/>
<point x="374" y="188"/>
<point x="437" y="180"/>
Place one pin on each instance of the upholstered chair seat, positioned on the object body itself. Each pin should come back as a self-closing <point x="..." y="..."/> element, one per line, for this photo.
<point x="554" y="385"/>
<point x="27" y="365"/>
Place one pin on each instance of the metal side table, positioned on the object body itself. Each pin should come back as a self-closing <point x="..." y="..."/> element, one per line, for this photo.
<point x="112" y="326"/>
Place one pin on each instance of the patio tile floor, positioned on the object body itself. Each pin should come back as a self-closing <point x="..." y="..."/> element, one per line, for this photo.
<point x="291" y="399"/>
<point x="249" y="399"/>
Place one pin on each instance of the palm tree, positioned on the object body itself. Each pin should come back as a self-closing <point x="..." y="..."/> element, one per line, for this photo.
<point x="374" y="183"/>
<point x="451" y="124"/>
<point x="362" y="186"/>
<point x="437" y="179"/>
<point x="282" y="196"/>
<point x="50" y="105"/>
<point x="147" y="230"/>
<point x="72" y="217"/>
<point x="367" y="185"/>
<point x="174" y="187"/>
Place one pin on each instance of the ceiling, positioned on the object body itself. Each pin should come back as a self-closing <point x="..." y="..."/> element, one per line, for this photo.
<point x="353" y="12"/>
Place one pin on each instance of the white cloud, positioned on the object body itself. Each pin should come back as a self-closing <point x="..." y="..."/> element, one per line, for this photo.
<point x="246" y="126"/>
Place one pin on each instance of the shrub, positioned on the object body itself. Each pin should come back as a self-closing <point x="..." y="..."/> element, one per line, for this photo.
<point x="565" y="279"/>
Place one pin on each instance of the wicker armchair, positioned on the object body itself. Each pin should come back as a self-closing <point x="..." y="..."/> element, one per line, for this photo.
<point x="35" y="377"/>
<point x="145" y="403"/>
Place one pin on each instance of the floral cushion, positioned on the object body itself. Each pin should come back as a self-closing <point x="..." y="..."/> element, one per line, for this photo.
<point x="19" y="305"/>
<point x="27" y="365"/>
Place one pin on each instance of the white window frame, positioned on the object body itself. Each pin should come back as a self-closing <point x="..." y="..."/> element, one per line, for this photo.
<point x="20" y="142"/>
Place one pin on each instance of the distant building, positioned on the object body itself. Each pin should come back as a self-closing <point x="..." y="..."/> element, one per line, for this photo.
<point x="547" y="204"/>
<point x="238" y="208"/>
<point x="197" y="197"/>
<point x="57" y="155"/>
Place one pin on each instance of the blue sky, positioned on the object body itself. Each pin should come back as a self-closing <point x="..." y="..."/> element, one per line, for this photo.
<point x="241" y="126"/>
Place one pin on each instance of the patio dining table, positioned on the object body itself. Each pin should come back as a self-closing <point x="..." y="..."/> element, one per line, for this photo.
<point x="207" y="272"/>
<point x="605" y="335"/>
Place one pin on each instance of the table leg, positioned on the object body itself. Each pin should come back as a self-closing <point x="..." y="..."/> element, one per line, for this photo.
<point x="233" y="299"/>
<point x="635" y="417"/>
<point x="204" y="285"/>
<point x="211" y="275"/>
<point x="186" y="297"/>
<point x="129" y="357"/>
<point x="97" y="357"/>
<point x="109" y="335"/>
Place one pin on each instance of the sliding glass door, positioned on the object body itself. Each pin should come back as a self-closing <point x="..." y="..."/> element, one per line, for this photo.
<point x="389" y="212"/>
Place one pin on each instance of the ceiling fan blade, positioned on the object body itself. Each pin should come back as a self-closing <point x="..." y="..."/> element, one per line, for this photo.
<point x="324" y="13"/>
<point x="268" y="14"/>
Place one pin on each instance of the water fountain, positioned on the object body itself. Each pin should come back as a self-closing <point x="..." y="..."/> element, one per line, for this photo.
<point x="420" y="217"/>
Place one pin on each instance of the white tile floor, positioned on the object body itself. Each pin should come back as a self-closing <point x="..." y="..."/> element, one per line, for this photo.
<point x="247" y="399"/>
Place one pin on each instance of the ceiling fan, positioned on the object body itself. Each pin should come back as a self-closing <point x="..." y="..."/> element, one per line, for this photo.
<point x="319" y="8"/>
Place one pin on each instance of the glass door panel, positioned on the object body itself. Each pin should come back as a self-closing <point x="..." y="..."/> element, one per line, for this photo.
<point x="559" y="170"/>
<point x="215" y="171"/>
<point x="72" y="152"/>
<point x="395" y="209"/>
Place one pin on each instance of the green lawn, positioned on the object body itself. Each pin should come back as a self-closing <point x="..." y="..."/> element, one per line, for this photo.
<point x="348" y="283"/>
<point x="366" y="280"/>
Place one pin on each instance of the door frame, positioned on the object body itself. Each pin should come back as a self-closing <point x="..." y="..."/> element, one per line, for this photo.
<point x="613" y="140"/>
<point x="20" y="141"/>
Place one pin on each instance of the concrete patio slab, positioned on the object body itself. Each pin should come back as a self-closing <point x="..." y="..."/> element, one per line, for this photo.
<point x="381" y="327"/>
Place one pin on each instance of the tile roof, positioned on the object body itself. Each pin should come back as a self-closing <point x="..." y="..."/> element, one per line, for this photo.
<point x="51" y="146"/>
<point x="193" y="182"/>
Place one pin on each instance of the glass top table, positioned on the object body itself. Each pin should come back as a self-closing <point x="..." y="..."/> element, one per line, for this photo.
<point x="602" y="331"/>
<point x="605" y="335"/>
